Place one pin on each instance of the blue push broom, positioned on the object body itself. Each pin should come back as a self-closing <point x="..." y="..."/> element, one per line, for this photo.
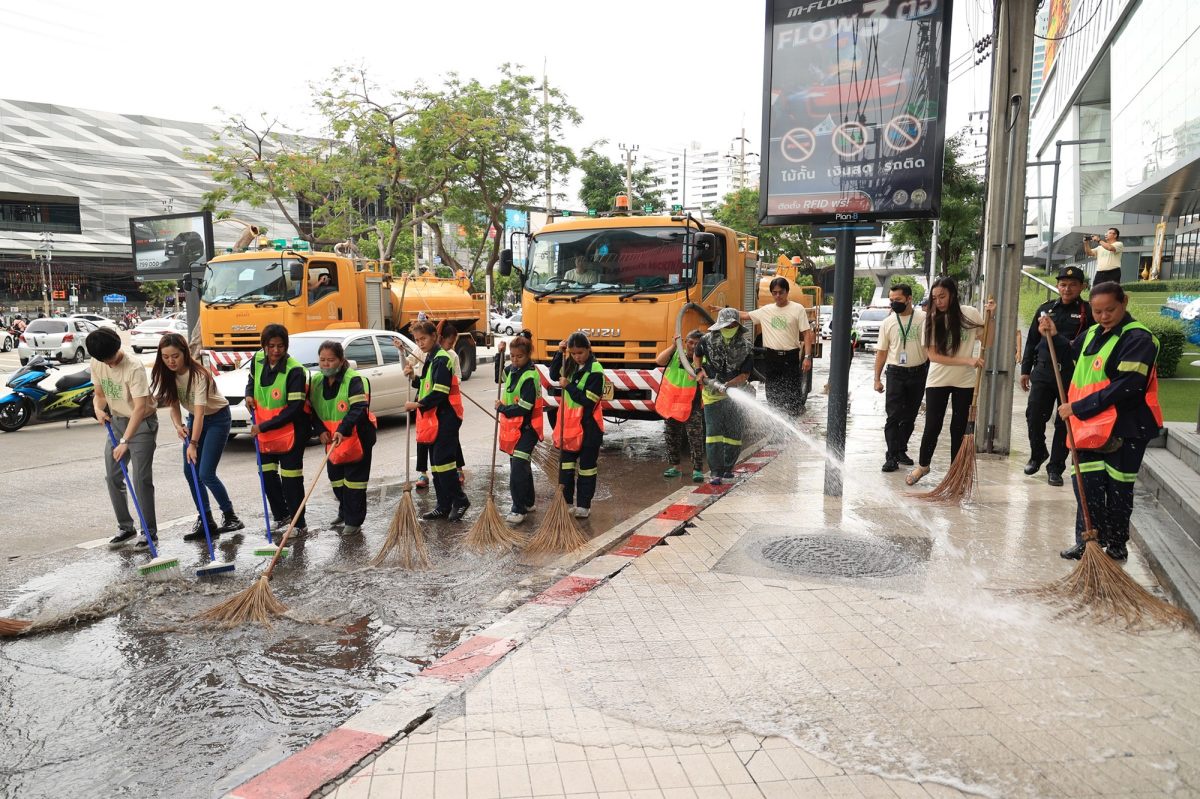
<point x="214" y="566"/>
<point x="270" y="549"/>
<point x="157" y="569"/>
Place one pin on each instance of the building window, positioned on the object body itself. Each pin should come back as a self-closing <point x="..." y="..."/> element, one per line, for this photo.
<point x="36" y="215"/>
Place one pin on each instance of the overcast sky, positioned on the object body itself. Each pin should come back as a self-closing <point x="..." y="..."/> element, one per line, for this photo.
<point x="655" y="73"/>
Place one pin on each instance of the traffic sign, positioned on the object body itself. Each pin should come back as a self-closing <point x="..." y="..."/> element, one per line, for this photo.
<point x="849" y="138"/>
<point x="676" y="208"/>
<point x="798" y="144"/>
<point x="114" y="298"/>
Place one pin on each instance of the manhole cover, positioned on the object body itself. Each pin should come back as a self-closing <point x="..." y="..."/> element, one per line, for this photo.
<point x="839" y="556"/>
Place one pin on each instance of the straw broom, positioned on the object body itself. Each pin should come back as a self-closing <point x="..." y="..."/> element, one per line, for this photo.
<point x="489" y="532"/>
<point x="960" y="479"/>
<point x="404" y="533"/>
<point x="558" y="532"/>
<point x="1098" y="587"/>
<point x="12" y="627"/>
<point x="257" y="603"/>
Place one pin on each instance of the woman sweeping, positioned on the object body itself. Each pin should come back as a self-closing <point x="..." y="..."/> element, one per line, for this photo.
<point x="520" y="409"/>
<point x="579" y="428"/>
<point x="447" y="337"/>
<point x="276" y="394"/>
<point x="724" y="360"/>
<point x="950" y="333"/>
<point x="1113" y="413"/>
<point x="179" y="382"/>
<point x="341" y="409"/>
<point x="439" y="412"/>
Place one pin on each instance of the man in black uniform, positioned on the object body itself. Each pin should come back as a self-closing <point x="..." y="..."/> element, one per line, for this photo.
<point x="1071" y="316"/>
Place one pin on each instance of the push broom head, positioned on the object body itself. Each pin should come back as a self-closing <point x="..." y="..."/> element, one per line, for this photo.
<point x="489" y="533"/>
<point x="404" y="536"/>
<point x="11" y="627"/>
<point x="558" y="532"/>
<point x="214" y="569"/>
<point x="161" y="569"/>
<point x="269" y="550"/>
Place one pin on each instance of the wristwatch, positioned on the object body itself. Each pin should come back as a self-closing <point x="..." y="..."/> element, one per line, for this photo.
<point x="122" y="441"/>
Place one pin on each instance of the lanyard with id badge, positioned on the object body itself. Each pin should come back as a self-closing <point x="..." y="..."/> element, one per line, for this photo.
<point x="904" y="331"/>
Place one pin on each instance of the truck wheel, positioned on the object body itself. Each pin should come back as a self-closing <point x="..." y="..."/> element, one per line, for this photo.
<point x="466" y="361"/>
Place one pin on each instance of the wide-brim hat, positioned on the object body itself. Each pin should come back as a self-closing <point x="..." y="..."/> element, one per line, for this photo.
<point x="727" y="317"/>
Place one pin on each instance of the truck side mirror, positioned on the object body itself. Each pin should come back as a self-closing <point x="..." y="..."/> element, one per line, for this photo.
<point x="506" y="263"/>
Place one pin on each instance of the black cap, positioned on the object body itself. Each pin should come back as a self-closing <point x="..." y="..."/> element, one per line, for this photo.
<point x="1071" y="273"/>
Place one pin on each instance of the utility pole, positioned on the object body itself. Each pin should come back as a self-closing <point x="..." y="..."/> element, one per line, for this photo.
<point x="933" y="251"/>
<point x="47" y="255"/>
<point x="546" y="138"/>
<point x="630" y="157"/>
<point x="1008" y="139"/>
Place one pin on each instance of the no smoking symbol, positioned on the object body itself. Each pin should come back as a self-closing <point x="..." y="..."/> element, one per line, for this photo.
<point x="849" y="138"/>
<point x="798" y="144"/>
<point x="902" y="132"/>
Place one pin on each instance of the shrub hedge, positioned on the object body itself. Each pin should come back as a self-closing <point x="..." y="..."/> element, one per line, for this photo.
<point x="1182" y="284"/>
<point x="1172" y="337"/>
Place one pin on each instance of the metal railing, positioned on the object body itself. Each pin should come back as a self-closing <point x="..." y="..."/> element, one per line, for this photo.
<point x="1051" y="289"/>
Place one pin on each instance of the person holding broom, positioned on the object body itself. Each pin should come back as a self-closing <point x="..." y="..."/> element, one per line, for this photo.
<point x="276" y="394"/>
<point x="341" y="410"/>
<point x="439" y="412"/>
<point x="678" y="402"/>
<point x="1113" y="412"/>
<point x="723" y="360"/>
<point x="520" y="410"/>
<point x="949" y="335"/>
<point x="579" y="428"/>
<point x="179" y="382"/>
<point x="447" y="337"/>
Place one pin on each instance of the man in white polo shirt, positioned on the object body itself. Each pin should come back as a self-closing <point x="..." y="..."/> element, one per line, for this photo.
<point x="901" y="351"/>
<point x="785" y="332"/>
<point x="1108" y="256"/>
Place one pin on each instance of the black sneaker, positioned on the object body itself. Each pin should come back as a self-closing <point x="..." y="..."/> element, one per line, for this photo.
<point x="904" y="460"/>
<point x="197" y="533"/>
<point x="141" y="542"/>
<point x="229" y="523"/>
<point x="889" y="465"/>
<point x="1033" y="465"/>
<point x="459" y="511"/>
<point x="1117" y="551"/>
<point x="122" y="538"/>
<point x="1054" y="478"/>
<point x="433" y="515"/>
<point x="1074" y="553"/>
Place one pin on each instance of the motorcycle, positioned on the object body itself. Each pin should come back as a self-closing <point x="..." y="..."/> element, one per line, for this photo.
<point x="71" y="397"/>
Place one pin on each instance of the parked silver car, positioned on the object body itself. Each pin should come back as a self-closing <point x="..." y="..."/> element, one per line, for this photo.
<point x="56" y="339"/>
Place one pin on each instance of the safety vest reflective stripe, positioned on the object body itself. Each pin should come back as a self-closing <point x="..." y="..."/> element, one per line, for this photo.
<point x="568" y="432"/>
<point x="427" y="420"/>
<point x="736" y="442"/>
<point x="516" y="453"/>
<point x="355" y="485"/>
<point x="332" y="411"/>
<point x="676" y="393"/>
<point x="1090" y="376"/>
<point x="269" y="467"/>
<point x="290" y="472"/>
<point x="588" y="472"/>
<point x="510" y="426"/>
<point x="270" y="401"/>
<point x="439" y="468"/>
<point x="1116" y="474"/>
<point x="337" y="483"/>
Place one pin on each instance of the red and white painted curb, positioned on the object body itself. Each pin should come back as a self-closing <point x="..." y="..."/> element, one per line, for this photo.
<point x="319" y="766"/>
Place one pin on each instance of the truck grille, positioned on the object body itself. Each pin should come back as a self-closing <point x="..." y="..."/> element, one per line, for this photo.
<point x="242" y="341"/>
<point x="612" y="354"/>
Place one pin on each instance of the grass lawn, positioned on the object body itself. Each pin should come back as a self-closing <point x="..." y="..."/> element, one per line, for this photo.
<point x="1180" y="399"/>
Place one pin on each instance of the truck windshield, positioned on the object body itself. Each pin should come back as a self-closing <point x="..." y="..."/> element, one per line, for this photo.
<point x="608" y="261"/>
<point x="255" y="280"/>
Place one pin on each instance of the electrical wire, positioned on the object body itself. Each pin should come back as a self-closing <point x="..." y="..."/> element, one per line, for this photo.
<point x="1072" y="33"/>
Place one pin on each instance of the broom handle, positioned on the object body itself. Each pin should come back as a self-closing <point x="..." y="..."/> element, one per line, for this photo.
<point x="1062" y="400"/>
<point x="296" y="515"/>
<point x="262" y="483"/>
<point x="465" y="396"/>
<point x="133" y="494"/>
<point x="983" y="348"/>
<point x="496" y="431"/>
<point x="212" y="556"/>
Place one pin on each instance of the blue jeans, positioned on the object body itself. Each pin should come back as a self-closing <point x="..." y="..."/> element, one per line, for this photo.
<point x="209" y="450"/>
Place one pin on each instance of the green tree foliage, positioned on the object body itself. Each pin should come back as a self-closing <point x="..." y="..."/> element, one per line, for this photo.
<point x="739" y="210"/>
<point x="864" y="289"/>
<point x="918" y="290"/>
<point x="961" y="219"/>
<point x="604" y="179"/>
<point x="159" y="291"/>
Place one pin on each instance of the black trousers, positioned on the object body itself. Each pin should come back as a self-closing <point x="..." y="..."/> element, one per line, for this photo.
<point x="283" y="476"/>
<point x="785" y="382"/>
<point x="577" y="475"/>
<point x="1108" y="483"/>
<point x="936" y="400"/>
<point x="423" y="457"/>
<point x="1040" y="407"/>
<point x="686" y="435"/>
<point x="902" y="403"/>
<point x="443" y="462"/>
<point x="349" y="481"/>
<point x="520" y="479"/>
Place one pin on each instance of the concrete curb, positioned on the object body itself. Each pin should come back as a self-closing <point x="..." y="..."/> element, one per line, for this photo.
<point x="322" y="765"/>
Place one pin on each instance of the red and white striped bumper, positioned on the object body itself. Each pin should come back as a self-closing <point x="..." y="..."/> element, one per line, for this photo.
<point x="620" y="380"/>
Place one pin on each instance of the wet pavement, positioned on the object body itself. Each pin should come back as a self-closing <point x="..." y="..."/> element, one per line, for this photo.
<point x="136" y="701"/>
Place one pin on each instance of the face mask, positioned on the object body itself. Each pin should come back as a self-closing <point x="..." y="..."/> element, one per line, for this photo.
<point x="330" y="371"/>
<point x="899" y="307"/>
<point x="728" y="333"/>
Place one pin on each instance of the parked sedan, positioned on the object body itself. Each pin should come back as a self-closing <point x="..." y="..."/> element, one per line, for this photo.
<point x="372" y="352"/>
<point x="56" y="339"/>
<point x="96" y="319"/>
<point x="147" y="334"/>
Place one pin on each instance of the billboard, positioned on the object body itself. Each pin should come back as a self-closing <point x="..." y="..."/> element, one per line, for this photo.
<point x="174" y="245"/>
<point x="853" y="110"/>
<point x="1056" y="27"/>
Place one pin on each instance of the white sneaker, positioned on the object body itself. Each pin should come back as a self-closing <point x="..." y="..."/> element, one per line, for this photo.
<point x="515" y="518"/>
<point x="582" y="513"/>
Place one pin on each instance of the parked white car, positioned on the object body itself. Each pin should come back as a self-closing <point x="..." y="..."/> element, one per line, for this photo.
<point x="372" y="352"/>
<point x="56" y="339"/>
<point x="96" y="319"/>
<point x="868" y="324"/>
<point x="147" y="334"/>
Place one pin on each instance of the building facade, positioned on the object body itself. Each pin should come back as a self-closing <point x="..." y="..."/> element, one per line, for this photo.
<point x="71" y="178"/>
<point x="1120" y="72"/>
<point x="699" y="178"/>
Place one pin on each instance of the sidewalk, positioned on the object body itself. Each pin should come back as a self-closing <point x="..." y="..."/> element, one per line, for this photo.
<point x="791" y="645"/>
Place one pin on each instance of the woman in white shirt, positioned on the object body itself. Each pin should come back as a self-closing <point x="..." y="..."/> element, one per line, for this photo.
<point x="950" y="333"/>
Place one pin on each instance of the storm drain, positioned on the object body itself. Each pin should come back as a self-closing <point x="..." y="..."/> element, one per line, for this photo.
<point x="840" y="556"/>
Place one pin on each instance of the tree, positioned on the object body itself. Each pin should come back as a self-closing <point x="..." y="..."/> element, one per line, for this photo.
<point x="961" y="219"/>
<point x="604" y="179"/>
<point x="157" y="291"/>
<point x="918" y="290"/>
<point x="739" y="210"/>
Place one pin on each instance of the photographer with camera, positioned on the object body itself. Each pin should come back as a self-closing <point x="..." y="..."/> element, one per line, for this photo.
<point x="1107" y="255"/>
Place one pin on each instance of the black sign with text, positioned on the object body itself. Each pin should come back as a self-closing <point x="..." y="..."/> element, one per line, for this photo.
<point x="853" y="110"/>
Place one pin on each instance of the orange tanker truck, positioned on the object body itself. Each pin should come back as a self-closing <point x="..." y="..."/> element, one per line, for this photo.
<point x="633" y="283"/>
<point x="303" y="290"/>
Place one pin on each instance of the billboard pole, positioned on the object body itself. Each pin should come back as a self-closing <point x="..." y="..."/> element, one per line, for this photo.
<point x="839" y="361"/>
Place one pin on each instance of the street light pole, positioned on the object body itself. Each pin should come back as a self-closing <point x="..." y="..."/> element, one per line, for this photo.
<point x="1058" y="145"/>
<point x="629" y="159"/>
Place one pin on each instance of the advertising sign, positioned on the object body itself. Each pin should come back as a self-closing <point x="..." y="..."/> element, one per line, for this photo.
<point x="515" y="219"/>
<point x="1056" y="26"/>
<point x="1160" y="243"/>
<point x="174" y="245"/>
<point x="853" y="110"/>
